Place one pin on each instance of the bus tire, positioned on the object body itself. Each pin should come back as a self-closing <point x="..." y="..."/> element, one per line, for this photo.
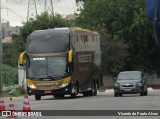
<point x="73" y="95"/>
<point x="93" y="92"/>
<point x="37" y="97"/>
<point x="95" y="88"/>
<point x="85" y="94"/>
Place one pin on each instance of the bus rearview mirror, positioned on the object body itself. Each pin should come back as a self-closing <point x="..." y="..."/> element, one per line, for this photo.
<point x="21" y="58"/>
<point x="70" y="58"/>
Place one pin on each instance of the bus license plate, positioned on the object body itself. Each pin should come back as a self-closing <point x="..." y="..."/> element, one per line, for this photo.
<point x="47" y="91"/>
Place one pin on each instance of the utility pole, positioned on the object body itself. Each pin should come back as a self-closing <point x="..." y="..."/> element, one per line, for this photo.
<point x="52" y="7"/>
<point x="45" y="5"/>
<point x="1" y="86"/>
<point x="49" y="7"/>
<point x="32" y="9"/>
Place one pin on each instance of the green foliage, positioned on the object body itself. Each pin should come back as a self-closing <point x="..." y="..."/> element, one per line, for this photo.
<point x="22" y="90"/>
<point x="10" y="54"/>
<point x="43" y="21"/>
<point x="9" y="75"/>
<point x="14" y="92"/>
<point x="114" y="54"/>
<point x="126" y="30"/>
<point x="17" y="92"/>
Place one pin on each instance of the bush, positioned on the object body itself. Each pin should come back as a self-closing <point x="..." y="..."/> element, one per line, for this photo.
<point x="9" y="75"/>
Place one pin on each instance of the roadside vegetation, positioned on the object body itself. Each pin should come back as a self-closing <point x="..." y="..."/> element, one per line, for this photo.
<point x="14" y="92"/>
<point x="10" y="75"/>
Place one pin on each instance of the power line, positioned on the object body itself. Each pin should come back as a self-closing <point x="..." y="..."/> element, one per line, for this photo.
<point x="52" y="7"/>
<point x="32" y="7"/>
<point x="62" y="8"/>
<point x="40" y="5"/>
<point x="49" y="7"/>
<point x="19" y="3"/>
<point x="67" y="6"/>
<point x="11" y="10"/>
<point x="56" y="6"/>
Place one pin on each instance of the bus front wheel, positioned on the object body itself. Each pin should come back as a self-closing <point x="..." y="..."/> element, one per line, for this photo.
<point x="38" y="97"/>
<point x="75" y="91"/>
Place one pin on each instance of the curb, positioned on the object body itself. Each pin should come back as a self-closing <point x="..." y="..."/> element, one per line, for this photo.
<point x="10" y="88"/>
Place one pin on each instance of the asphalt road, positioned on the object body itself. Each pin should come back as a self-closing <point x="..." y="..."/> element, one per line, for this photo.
<point x="103" y="101"/>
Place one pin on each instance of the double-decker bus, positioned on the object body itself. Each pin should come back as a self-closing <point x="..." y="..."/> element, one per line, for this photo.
<point x="62" y="61"/>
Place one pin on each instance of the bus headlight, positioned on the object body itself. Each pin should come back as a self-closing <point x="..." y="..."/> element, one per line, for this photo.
<point x="32" y="86"/>
<point x="63" y="85"/>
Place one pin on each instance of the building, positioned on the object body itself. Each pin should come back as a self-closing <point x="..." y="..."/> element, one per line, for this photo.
<point x="8" y="31"/>
<point x="7" y="40"/>
<point x="71" y="17"/>
<point x="4" y="28"/>
<point x="12" y="30"/>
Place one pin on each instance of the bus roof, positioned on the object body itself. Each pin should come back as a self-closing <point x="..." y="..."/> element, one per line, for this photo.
<point x="50" y="31"/>
<point x="62" y="30"/>
<point x="77" y="29"/>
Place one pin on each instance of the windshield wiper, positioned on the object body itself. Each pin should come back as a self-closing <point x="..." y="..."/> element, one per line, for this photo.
<point x="36" y="75"/>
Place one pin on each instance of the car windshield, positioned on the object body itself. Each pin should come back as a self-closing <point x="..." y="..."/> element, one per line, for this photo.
<point x="47" y="67"/>
<point x="129" y="76"/>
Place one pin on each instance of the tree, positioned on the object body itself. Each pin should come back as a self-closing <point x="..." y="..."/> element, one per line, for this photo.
<point x="125" y="20"/>
<point x="77" y="1"/>
<point x="43" y="21"/>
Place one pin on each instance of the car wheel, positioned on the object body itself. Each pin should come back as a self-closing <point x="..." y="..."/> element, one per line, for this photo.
<point x="146" y="92"/>
<point x="95" y="89"/>
<point x="38" y="97"/>
<point x="73" y="95"/>
<point x="91" y="92"/>
<point x="115" y="94"/>
<point x="85" y="94"/>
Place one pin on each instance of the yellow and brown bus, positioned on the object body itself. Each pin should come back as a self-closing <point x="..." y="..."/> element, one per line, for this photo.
<point x="62" y="61"/>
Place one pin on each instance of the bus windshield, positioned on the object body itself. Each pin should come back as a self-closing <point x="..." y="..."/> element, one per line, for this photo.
<point x="47" y="67"/>
<point x="47" y="44"/>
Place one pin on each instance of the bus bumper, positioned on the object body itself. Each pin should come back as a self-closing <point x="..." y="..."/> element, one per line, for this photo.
<point x="64" y="90"/>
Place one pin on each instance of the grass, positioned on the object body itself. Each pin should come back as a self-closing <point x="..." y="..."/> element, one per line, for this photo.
<point x="9" y="75"/>
<point x="14" y="93"/>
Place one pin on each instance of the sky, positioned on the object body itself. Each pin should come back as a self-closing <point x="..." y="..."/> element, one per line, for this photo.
<point x="15" y="11"/>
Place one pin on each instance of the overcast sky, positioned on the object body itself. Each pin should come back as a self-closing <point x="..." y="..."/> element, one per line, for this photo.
<point x="15" y="11"/>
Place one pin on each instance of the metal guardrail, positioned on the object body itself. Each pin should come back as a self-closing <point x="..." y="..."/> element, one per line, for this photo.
<point x="5" y="89"/>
